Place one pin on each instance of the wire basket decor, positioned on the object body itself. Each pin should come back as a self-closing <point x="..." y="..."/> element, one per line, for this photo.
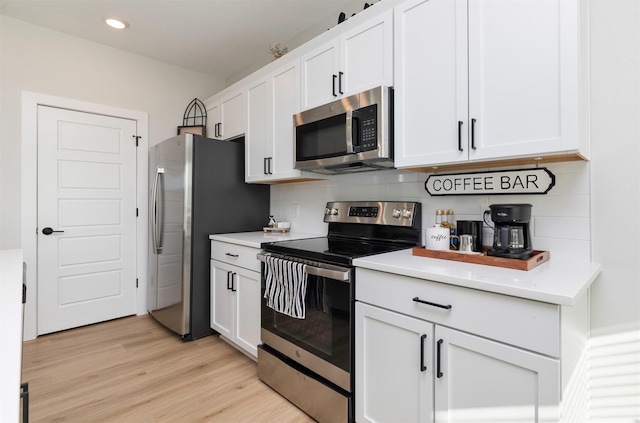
<point x="194" y="120"/>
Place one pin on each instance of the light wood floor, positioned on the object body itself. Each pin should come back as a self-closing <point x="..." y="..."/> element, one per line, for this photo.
<point x="134" y="370"/>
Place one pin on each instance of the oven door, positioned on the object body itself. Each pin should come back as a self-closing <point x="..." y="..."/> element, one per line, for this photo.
<point x="321" y="341"/>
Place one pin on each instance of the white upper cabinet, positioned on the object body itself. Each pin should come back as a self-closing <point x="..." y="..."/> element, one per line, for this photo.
<point x="523" y="77"/>
<point x="480" y="80"/>
<point x="359" y="59"/>
<point x="225" y="115"/>
<point x="271" y="103"/>
<point x="431" y="93"/>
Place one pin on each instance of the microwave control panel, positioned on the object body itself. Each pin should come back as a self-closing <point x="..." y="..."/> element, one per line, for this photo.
<point x="368" y="127"/>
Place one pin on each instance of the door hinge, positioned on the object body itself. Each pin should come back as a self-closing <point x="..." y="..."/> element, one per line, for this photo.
<point x="137" y="137"/>
<point x="136" y="282"/>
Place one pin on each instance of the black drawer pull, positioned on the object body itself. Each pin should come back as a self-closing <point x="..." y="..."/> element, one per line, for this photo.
<point x="229" y="279"/>
<point x="418" y="300"/>
<point x="438" y="371"/>
<point x="473" y="134"/>
<point x="231" y="255"/>
<point x="422" y="366"/>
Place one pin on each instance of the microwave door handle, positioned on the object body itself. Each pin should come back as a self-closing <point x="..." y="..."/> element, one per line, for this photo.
<point x="353" y="145"/>
<point x="356" y="130"/>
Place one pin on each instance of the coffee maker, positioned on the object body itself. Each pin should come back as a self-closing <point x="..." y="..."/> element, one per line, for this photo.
<point x="512" y="234"/>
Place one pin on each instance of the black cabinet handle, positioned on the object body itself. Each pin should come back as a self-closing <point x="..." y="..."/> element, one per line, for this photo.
<point x="24" y="396"/>
<point x="269" y="169"/>
<point x="233" y="289"/>
<point x="438" y="370"/>
<point x="340" y="82"/>
<point x="334" y="85"/>
<point x="231" y="255"/>
<point x="418" y="300"/>
<point x="229" y="280"/>
<point x="460" y="136"/>
<point x="473" y="134"/>
<point x="264" y="165"/>
<point x="49" y="231"/>
<point x="422" y="366"/>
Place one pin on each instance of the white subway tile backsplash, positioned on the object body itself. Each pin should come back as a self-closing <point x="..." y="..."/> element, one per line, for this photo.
<point x="560" y="222"/>
<point x="576" y="228"/>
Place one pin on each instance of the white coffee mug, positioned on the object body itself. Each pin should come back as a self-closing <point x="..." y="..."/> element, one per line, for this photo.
<point x="437" y="238"/>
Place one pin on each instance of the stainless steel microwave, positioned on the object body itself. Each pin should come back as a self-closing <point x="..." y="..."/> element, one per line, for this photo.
<point x="352" y="134"/>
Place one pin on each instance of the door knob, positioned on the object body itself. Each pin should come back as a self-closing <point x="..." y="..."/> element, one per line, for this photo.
<point x="48" y="231"/>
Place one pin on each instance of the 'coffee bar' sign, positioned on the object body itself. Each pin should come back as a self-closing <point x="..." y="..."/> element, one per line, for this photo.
<point x="521" y="181"/>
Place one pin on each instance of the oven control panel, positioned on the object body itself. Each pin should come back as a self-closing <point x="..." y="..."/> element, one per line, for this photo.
<point x="357" y="211"/>
<point x="372" y="212"/>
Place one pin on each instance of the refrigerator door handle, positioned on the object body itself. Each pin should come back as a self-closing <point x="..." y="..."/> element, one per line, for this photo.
<point x="156" y="213"/>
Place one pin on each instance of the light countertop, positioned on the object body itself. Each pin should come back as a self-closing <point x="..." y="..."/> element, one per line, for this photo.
<point x="254" y="239"/>
<point x="557" y="281"/>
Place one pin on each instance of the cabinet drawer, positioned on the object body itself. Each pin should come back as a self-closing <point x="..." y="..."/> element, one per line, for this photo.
<point x="238" y="255"/>
<point x="524" y="323"/>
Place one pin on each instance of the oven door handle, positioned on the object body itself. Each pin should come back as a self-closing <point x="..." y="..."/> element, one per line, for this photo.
<point x="341" y="274"/>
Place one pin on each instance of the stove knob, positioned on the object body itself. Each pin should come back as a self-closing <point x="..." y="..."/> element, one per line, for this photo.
<point x="396" y="213"/>
<point x="406" y="213"/>
<point x="327" y="211"/>
<point x="334" y="212"/>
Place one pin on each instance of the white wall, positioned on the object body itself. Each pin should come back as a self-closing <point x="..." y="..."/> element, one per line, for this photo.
<point x="615" y="141"/>
<point x="48" y="62"/>
<point x="615" y="203"/>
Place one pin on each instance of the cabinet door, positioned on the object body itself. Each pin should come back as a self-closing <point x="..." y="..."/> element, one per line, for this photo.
<point x="247" y="311"/>
<point x="258" y="138"/>
<point x="366" y="55"/>
<point x="271" y="104"/>
<point x="523" y="80"/>
<point x="319" y="75"/>
<point x="430" y="82"/>
<point x="232" y="116"/>
<point x="222" y="299"/>
<point x="481" y="380"/>
<point x="391" y="383"/>
<point x="286" y="102"/>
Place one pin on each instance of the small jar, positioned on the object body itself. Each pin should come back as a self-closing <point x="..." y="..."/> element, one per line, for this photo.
<point x="445" y="219"/>
<point x="438" y="218"/>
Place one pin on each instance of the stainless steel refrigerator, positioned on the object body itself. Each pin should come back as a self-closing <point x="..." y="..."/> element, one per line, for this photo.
<point x="197" y="189"/>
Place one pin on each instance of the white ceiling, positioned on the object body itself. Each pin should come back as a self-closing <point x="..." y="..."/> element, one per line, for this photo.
<point x="215" y="37"/>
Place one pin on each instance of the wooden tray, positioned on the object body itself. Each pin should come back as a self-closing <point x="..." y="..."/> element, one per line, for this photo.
<point x="537" y="259"/>
<point x="270" y="229"/>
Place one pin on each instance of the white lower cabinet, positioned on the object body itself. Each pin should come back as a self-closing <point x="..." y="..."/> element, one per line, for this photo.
<point x="423" y="361"/>
<point x="235" y="295"/>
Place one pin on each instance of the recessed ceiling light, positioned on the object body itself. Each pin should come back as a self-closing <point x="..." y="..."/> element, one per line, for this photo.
<point x="116" y="23"/>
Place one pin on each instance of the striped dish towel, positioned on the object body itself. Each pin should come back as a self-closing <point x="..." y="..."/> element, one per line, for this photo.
<point x="285" y="286"/>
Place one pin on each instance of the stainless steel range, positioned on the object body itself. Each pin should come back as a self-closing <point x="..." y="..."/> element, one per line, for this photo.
<point x="308" y="290"/>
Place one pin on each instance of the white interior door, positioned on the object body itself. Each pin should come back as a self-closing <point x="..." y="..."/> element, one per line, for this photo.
<point x="87" y="192"/>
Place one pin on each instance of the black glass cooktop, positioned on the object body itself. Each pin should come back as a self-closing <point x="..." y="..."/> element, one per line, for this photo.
<point x="325" y="249"/>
